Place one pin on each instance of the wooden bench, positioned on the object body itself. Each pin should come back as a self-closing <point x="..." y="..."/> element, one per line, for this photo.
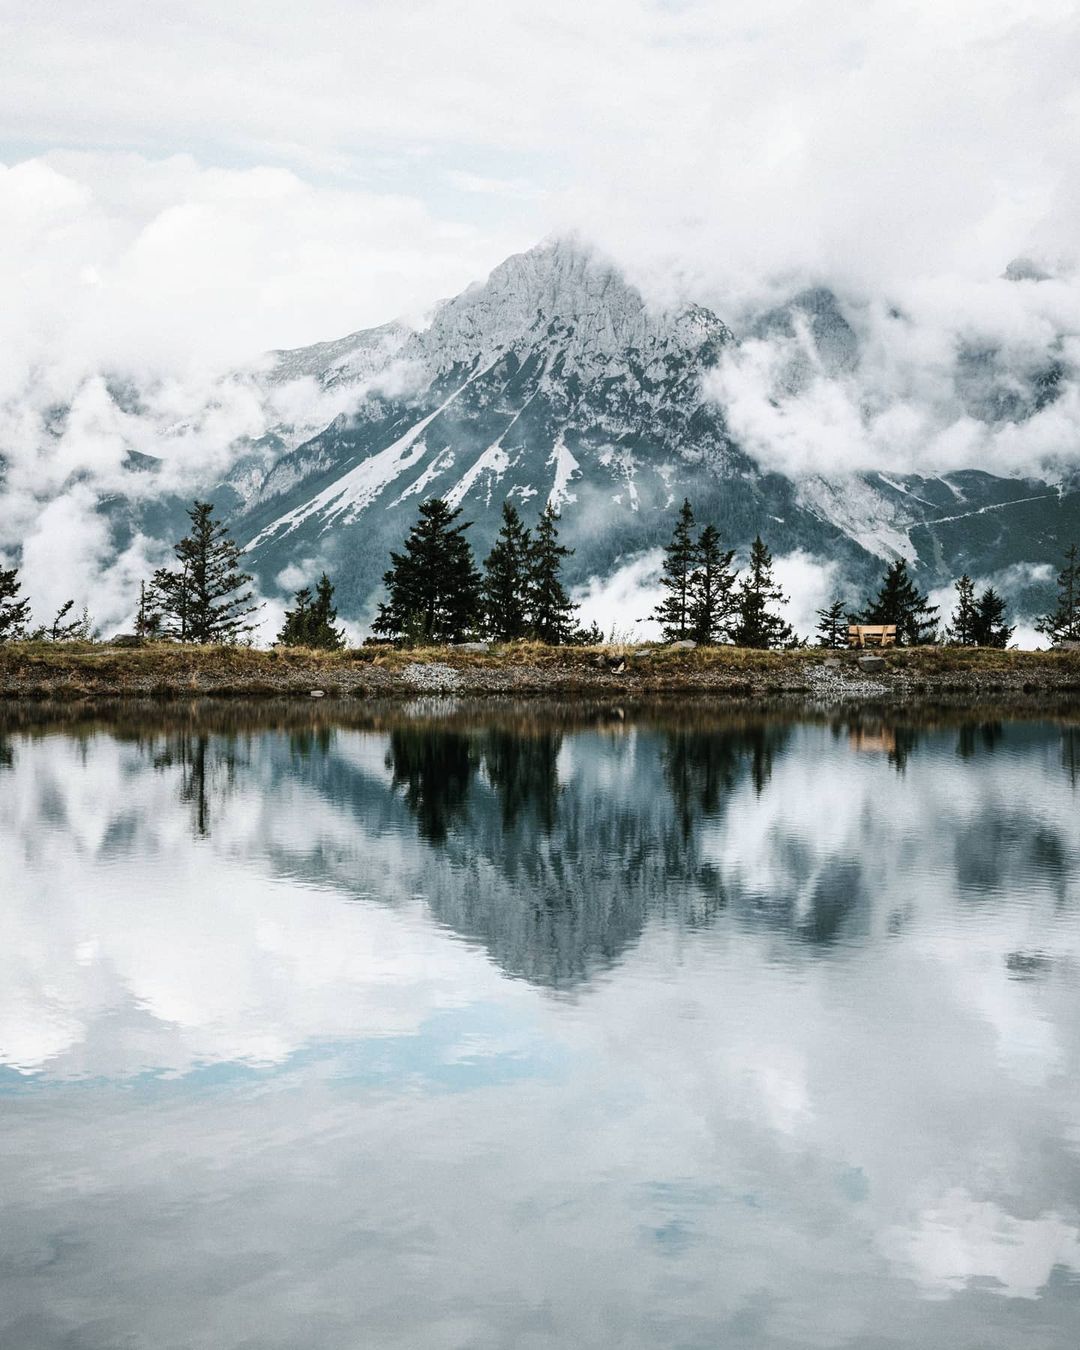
<point x="871" y="635"/>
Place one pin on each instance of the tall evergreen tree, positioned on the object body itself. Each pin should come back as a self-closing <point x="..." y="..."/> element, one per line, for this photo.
<point x="961" y="629"/>
<point x="711" y="592"/>
<point x="148" y="615"/>
<point x="553" y="614"/>
<point x="680" y="559"/>
<point x="433" y="586"/>
<point x="756" y="625"/>
<point x="311" y="621"/>
<point x="900" y="602"/>
<point x="14" y="613"/>
<point x="1062" y="624"/>
<point x="991" y="626"/>
<point x="66" y="629"/>
<point x="507" y="577"/>
<point x="832" y="629"/>
<point x="208" y="598"/>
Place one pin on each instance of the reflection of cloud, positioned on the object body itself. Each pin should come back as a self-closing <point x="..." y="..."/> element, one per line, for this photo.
<point x="962" y="1239"/>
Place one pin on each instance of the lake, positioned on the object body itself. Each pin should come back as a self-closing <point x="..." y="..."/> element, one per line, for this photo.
<point x="433" y="1027"/>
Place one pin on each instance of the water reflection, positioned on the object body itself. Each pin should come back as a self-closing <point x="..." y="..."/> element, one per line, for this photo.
<point x="582" y="1027"/>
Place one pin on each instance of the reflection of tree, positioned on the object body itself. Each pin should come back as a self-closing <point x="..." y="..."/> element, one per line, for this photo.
<point x="523" y="771"/>
<point x="702" y="768"/>
<point x="436" y="770"/>
<point x="974" y="737"/>
<point x="207" y="771"/>
<point x="1070" y="753"/>
<point x="303" y="741"/>
<point x="7" y="756"/>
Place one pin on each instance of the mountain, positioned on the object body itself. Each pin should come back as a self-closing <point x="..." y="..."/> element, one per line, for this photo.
<point x="554" y="381"/>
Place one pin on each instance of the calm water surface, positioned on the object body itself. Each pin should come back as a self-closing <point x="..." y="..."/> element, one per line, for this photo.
<point x="436" y="1030"/>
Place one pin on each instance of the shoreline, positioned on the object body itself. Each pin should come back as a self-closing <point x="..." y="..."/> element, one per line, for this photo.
<point x="99" y="671"/>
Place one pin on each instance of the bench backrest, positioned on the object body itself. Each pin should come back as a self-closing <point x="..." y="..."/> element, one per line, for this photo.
<point x="871" y="634"/>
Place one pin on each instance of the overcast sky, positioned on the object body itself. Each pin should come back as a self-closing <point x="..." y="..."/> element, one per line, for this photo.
<point x="274" y="173"/>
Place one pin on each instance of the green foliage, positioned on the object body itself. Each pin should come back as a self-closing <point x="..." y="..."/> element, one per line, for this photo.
<point x="207" y="598"/>
<point x="900" y="602"/>
<point x="507" y="584"/>
<point x="961" y="629"/>
<point x="756" y="625"/>
<point x="991" y="628"/>
<point x="65" y="629"/>
<point x="553" y="616"/>
<point x="433" y="585"/>
<point x="832" y="629"/>
<point x="1062" y="624"/>
<point x="673" y="613"/>
<point x="712" y="599"/>
<point x="311" y="622"/>
<point x="148" y="618"/>
<point x="14" y="613"/>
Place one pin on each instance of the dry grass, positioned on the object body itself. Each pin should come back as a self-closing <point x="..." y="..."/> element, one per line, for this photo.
<point x="84" y="669"/>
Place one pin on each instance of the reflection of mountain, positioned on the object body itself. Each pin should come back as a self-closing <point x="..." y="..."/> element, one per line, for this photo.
<point x="552" y="839"/>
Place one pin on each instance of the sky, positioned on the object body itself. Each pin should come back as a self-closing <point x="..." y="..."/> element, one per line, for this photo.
<point x="183" y="187"/>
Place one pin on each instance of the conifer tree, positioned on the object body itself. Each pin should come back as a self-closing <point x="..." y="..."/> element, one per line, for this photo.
<point x="310" y="623"/>
<point x="832" y="629"/>
<point x="756" y="625"/>
<point x="553" y="616"/>
<point x="900" y="602"/>
<point x="1062" y="624"/>
<point x="208" y="598"/>
<point x="65" y="629"/>
<point x="961" y="629"/>
<point x="711" y="591"/>
<point x="991" y="626"/>
<point x="148" y="615"/>
<point x="433" y="585"/>
<point x="14" y="613"/>
<point x="680" y="559"/>
<point x="507" y="577"/>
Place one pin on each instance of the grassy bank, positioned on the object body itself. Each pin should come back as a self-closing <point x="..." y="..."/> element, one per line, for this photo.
<point x="98" y="670"/>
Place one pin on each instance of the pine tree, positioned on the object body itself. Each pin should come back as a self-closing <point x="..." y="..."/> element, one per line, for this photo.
<point x="208" y="598"/>
<point x="506" y="586"/>
<point x="961" y="629"/>
<point x="553" y="614"/>
<point x="711" y="592"/>
<point x="64" y="629"/>
<point x="311" y="622"/>
<point x="756" y="625"/>
<point x="148" y="616"/>
<point x="991" y="627"/>
<point x="14" y="613"/>
<point x="434" y="587"/>
<point x="680" y="559"/>
<point x="1062" y="624"/>
<point x="901" y="603"/>
<point x="832" y="629"/>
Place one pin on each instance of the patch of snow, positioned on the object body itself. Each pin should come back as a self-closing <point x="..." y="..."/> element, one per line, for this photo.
<point x="566" y="466"/>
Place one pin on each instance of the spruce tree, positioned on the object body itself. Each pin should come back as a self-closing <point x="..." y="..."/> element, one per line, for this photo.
<point x="991" y="626"/>
<point x="832" y="629"/>
<point x="900" y="602"/>
<point x="208" y="598"/>
<point x="65" y="629"/>
<point x="310" y="623"/>
<point x="507" y="576"/>
<point x="680" y="559"/>
<point x="757" y="626"/>
<point x="433" y="585"/>
<point x="148" y="615"/>
<point x="1062" y="624"/>
<point x="553" y="616"/>
<point x="14" y="613"/>
<point x="711" y="592"/>
<point x="961" y="629"/>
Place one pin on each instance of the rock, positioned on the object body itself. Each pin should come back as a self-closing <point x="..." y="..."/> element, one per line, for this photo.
<point x="318" y="693"/>
<point x="126" y="640"/>
<point x="873" y="663"/>
<point x="472" y="646"/>
<point x="686" y="645"/>
<point x="1067" y="646"/>
<point x="618" y="670"/>
<point x="833" y="663"/>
